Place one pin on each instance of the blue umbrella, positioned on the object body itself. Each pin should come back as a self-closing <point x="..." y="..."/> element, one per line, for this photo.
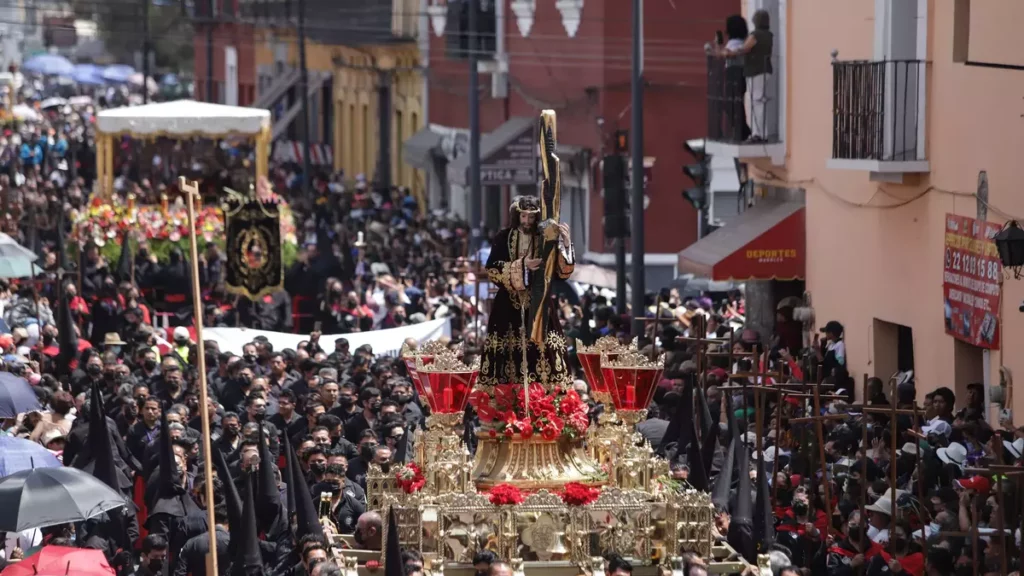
<point x="88" y="74"/>
<point x="49" y="65"/>
<point x="16" y="396"/>
<point x="118" y="73"/>
<point x="17" y="454"/>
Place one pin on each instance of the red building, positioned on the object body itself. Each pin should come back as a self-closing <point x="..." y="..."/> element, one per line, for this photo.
<point x="574" y="56"/>
<point x="234" y="58"/>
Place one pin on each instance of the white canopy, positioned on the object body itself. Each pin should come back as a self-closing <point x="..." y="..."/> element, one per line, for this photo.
<point x="183" y="118"/>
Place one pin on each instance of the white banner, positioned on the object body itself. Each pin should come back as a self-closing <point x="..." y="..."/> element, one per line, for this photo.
<point x="384" y="342"/>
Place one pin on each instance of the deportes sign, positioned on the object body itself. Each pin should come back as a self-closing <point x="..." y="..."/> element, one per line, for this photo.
<point x="971" y="278"/>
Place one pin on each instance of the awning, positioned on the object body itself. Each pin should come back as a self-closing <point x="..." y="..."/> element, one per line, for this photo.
<point x="418" y="151"/>
<point x="767" y="242"/>
<point x="508" y="155"/>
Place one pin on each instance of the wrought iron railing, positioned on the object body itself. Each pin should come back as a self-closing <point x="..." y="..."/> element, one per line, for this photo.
<point x="743" y="107"/>
<point x="877" y="110"/>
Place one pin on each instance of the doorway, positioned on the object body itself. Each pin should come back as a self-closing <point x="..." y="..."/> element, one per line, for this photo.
<point x="893" y="349"/>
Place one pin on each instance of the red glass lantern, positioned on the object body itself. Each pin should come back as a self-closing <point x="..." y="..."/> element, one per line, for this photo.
<point x="446" y="383"/>
<point x="632" y="379"/>
<point x="425" y="356"/>
<point x="590" y="360"/>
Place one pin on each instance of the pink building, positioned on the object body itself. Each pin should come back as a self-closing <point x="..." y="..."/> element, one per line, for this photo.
<point x="900" y="121"/>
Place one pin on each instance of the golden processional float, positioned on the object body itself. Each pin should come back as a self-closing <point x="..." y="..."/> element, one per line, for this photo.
<point x="544" y="490"/>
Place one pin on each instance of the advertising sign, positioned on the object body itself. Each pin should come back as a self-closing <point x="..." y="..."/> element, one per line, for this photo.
<point x="971" y="280"/>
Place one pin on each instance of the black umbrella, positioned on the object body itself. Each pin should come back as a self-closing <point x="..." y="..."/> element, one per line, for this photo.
<point x="50" y="496"/>
<point x="16" y="396"/>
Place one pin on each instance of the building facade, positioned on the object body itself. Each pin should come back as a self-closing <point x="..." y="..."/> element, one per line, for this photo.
<point x="572" y="56"/>
<point x="359" y="56"/>
<point x="900" y="127"/>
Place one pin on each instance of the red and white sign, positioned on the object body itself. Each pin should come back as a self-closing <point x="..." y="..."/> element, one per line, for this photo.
<point x="971" y="276"/>
<point x="291" y="151"/>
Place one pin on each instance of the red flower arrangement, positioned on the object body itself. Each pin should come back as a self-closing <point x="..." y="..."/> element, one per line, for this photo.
<point x="410" y="478"/>
<point x="505" y="495"/>
<point x="373" y="565"/>
<point x="576" y="494"/>
<point x="551" y="414"/>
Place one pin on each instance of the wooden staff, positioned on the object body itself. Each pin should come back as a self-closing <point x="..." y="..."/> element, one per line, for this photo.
<point x="821" y="452"/>
<point x="191" y="190"/>
<point x="864" y="463"/>
<point x="778" y="433"/>
<point x="920" y="475"/>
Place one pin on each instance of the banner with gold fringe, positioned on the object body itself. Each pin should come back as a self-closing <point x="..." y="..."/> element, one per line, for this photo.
<point x="254" y="266"/>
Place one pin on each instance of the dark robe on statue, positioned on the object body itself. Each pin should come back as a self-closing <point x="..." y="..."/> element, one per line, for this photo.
<point x="502" y="358"/>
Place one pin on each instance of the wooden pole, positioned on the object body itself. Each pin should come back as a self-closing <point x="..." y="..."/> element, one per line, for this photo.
<point x="892" y="450"/>
<point x="864" y="463"/>
<point x="821" y="455"/>
<point x="191" y="190"/>
<point x="920" y="478"/>
<point x="1001" y="523"/>
<point x="778" y="438"/>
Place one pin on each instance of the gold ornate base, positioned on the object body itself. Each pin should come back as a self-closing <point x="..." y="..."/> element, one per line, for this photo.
<point x="533" y="463"/>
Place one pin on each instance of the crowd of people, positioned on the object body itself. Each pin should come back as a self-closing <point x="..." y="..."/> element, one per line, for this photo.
<point x="290" y="425"/>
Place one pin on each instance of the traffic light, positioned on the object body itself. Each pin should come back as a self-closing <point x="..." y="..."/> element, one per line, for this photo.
<point x="616" y="219"/>
<point x="698" y="172"/>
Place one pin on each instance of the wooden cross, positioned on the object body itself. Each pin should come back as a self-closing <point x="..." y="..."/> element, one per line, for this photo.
<point x="893" y="412"/>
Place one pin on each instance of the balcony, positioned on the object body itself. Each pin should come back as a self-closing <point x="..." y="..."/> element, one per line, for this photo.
<point x="878" y="118"/>
<point x="744" y="112"/>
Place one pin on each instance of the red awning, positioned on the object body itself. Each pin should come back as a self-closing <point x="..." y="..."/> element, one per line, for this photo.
<point x="767" y="242"/>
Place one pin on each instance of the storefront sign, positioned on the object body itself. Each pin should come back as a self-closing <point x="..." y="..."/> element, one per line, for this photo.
<point x="970" y="281"/>
<point x="514" y="164"/>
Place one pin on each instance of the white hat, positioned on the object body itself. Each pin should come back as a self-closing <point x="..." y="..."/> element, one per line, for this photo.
<point x="883" y="506"/>
<point x="938" y="427"/>
<point x="955" y="453"/>
<point x="181" y="332"/>
<point x="908" y="448"/>
<point x="1016" y="448"/>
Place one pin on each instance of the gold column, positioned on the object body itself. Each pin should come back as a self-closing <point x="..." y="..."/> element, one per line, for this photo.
<point x="108" y="162"/>
<point x="103" y="167"/>
<point x="262" y="152"/>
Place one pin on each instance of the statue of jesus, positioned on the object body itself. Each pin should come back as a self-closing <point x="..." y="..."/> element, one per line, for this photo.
<point x="516" y="256"/>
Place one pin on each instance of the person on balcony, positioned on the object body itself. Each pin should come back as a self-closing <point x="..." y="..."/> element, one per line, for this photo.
<point x="756" y="52"/>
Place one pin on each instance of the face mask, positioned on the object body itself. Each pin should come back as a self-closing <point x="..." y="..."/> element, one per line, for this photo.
<point x="933" y="527"/>
<point x="367" y="452"/>
<point x="403" y="398"/>
<point x="318" y="467"/>
<point x="375" y="406"/>
<point x="800" y="509"/>
<point x="346" y="401"/>
<point x="181" y="341"/>
<point x="150" y="365"/>
<point x="94" y="369"/>
<point x="854" y="533"/>
<point x="231" y="432"/>
<point x="250" y="358"/>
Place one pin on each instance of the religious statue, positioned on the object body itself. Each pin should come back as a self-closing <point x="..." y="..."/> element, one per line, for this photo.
<point x="524" y="341"/>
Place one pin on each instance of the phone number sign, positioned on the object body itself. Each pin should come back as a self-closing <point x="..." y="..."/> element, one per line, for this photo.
<point x="971" y="276"/>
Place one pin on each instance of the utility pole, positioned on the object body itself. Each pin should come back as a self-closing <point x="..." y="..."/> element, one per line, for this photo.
<point x="209" y="52"/>
<point x="476" y="208"/>
<point x="145" y="51"/>
<point x="304" y="90"/>
<point x="384" y="113"/>
<point x="637" y="173"/>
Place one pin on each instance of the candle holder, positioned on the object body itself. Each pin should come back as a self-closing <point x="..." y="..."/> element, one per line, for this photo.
<point x="446" y="383"/>
<point x="425" y="354"/>
<point x="590" y="361"/>
<point x="631" y="378"/>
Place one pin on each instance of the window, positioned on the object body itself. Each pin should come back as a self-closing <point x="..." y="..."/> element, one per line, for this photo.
<point x="901" y="42"/>
<point x="396" y="147"/>
<point x="367" y="143"/>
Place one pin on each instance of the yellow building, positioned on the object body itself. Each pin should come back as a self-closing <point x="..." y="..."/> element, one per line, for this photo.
<point x="346" y="75"/>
